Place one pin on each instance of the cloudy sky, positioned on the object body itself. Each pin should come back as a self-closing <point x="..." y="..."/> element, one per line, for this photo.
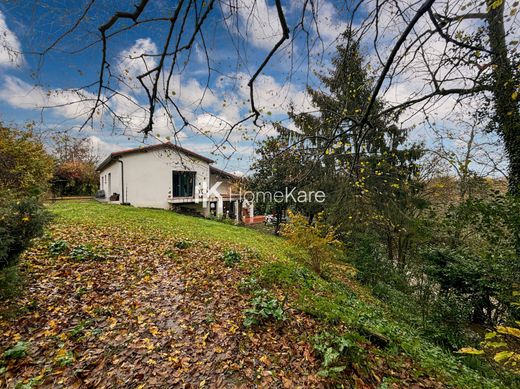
<point x="55" y="89"/>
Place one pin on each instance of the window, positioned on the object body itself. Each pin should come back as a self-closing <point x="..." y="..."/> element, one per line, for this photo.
<point x="183" y="184"/>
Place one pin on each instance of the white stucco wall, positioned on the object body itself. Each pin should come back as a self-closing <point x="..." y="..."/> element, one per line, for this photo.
<point x="148" y="176"/>
<point x="115" y="179"/>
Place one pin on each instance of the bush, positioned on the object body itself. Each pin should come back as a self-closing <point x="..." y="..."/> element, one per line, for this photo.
<point x="231" y="257"/>
<point x="26" y="170"/>
<point x="318" y="238"/>
<point x="264" y="307"/>
<point x="20" y="221"/>
<point x="10" y="282"/>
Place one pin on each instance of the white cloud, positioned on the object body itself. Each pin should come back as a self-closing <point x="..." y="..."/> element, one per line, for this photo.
<point x="135" y="61"/>
<point x="66" y="103"/>
<point x="10" y="47"/>
<point x="328" y="25"/>
<point x="274" y="97"/>
<point x="258" y="22"/>
<point x="103" y="148"/>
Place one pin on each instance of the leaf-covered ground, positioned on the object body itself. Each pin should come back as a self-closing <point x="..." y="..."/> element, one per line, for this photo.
<point x="146" y="313"/>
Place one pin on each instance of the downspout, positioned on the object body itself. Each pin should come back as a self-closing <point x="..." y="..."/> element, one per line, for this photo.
<point x="122" y="182"/>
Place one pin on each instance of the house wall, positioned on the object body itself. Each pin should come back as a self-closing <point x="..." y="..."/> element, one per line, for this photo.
<point x="115" y="177"/>
<point x="148" y="175"/>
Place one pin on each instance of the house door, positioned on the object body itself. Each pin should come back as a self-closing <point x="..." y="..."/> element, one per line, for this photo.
<point x="109" y="184"/>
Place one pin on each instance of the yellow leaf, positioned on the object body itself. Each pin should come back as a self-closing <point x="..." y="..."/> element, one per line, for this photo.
<point x="470" y="350"/>
<point x="514" y="96"/>
<point x="113" y="322"/>
<point x="499" y="357"/>
<point x="495" y="344"/>
<point x="490" y="335"/>
<point x="509" y="331"/>
<point x="264" y="359"/>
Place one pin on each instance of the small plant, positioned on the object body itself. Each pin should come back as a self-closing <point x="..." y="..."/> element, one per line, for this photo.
<point x="79" y="329"/>
<point x="337" y="351"/>
<point x="83" y="253"/>
<point x="264" y="307"/>
<point x="182" y="244"/>
<point x="231" y="257"/>
<point x="248" y="284"/>
<point x="19" y="350"/>
<point x="64" y="358"/>
<point x="58" y="247"/>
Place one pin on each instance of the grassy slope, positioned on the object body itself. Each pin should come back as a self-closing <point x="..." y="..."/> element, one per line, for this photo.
<point x="337" y="304"/>
<point x="184" y="227"/>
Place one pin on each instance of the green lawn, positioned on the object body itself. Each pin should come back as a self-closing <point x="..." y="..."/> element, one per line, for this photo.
<point x="150" y="221"/>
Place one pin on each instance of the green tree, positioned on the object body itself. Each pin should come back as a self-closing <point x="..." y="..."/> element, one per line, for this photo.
<point x="369" y="176"/>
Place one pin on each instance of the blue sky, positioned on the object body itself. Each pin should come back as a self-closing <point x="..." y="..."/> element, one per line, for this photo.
<point x="236" y="42"/>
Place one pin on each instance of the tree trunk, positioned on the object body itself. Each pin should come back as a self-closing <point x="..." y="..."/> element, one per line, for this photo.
<point x="507" y="112"/>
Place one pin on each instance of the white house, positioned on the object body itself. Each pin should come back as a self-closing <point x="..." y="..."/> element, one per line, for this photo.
<point x="170" y="177"/>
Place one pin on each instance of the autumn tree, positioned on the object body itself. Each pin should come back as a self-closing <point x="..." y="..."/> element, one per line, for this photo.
<point x="25" y="171"/>
<point x="75" y="172"/>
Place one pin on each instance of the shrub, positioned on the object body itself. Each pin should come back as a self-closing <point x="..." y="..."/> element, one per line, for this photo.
<point x="502" y="344"/>
<point x="264" y="307"/>
<point x="84" y="253"/>
<point x="10" y="282"/>
<point x="58" y="247"/>
<point x="318" y="238"/>
<point x="20" y="221"/>
<point x="231" y="257"/>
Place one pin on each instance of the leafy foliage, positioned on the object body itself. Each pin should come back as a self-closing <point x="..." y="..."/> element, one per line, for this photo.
<point x="264" y="307"/>
<point x="502" y="344"/>
<point x="338" y="351"/>
<point x="75" y="173"/>
<point x="84" y="252"/>
<point x="231" y="257"/>
<point x="318" y="239"/>
<point x="25" y="169"/>
<point x="20" y="221"/>
<point x="58" y="247"/>
<point x="19" y="350"/>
